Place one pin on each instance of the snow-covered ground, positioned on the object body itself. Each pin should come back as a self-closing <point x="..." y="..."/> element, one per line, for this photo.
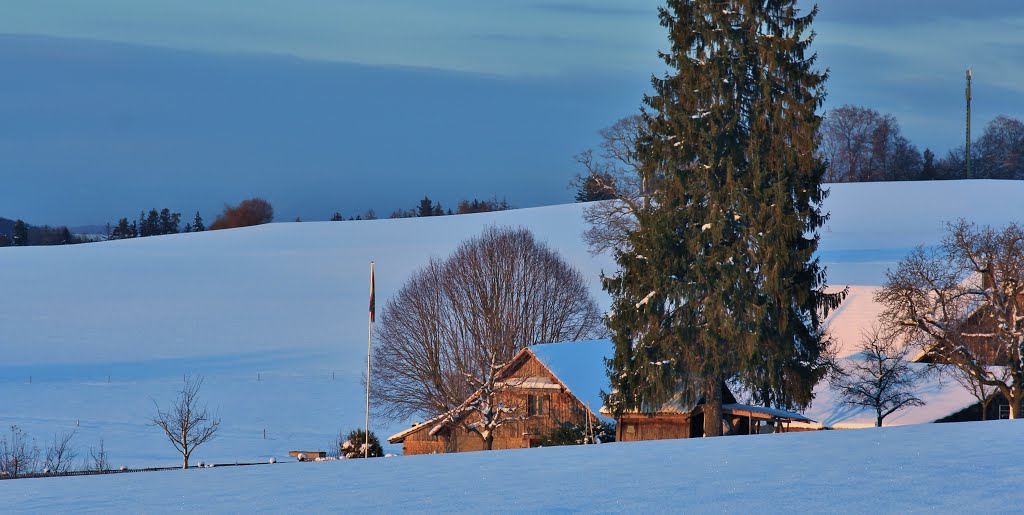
<point x="275" y="316"/>
<point x="947" y="468"/>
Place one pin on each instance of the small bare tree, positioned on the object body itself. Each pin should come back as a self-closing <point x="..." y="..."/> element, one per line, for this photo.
<point x="185" y="423"/>
<point x="97" y="458"/>
<point x="18" y="454"/>
<point x="966" y="299"/>
<point x="879" y="377"/>
<point x="450" y="329"/>
<point x="60" y="454"/>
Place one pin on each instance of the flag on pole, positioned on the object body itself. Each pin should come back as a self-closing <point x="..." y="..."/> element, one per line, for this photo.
<point x="372" y="303"/>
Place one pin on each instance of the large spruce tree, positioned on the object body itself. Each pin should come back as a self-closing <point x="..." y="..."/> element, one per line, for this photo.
<point x="720" y="283"/>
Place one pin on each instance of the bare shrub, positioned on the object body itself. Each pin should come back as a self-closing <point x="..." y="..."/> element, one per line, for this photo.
<point x="60" y="454"/>
<point x="19" y="455"/>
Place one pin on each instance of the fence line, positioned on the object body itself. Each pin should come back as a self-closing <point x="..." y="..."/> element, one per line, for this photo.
<point x="125" y="471"/>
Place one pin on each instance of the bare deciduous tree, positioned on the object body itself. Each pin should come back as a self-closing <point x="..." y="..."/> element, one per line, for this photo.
<point x="861" y="144"/>
<point x="60" y="454"/>
<point x="614" y="173"/>
<point x="18" y="454"/>
<point x="97" y="458"/>
<point x="999" y="152"/>
<point x="965" y="299"/>
<point x="879" y="377"/>
<point x="185" y="423"/>
<point x="445" y="335"/>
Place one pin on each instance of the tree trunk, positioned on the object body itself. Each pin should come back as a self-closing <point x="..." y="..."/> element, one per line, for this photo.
<point x="713" y="408"/>
<point x="984" y="409"/>
<point x="1015" y="405"/>
<point x="185" y="465"/>
<point x="878" y="421"/>
<point x="488" y="442"/>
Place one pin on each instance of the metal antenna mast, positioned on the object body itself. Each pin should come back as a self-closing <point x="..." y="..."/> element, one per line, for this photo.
<point x="967" y="153"/>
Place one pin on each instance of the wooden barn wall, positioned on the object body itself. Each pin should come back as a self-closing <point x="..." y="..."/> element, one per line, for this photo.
<point x="657" y="427"/>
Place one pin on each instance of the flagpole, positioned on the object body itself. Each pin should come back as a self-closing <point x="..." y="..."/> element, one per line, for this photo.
<point x="369" y="339"/>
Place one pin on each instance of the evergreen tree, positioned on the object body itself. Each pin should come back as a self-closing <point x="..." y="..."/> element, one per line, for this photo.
<point x="337" y="217"/>
<point x="187" y="228"/>
<point x="124" y="230"/>
<point x="149" y="224"/>
<point x="20" y="235"/>
<point x="168" y="223"/>
<point x="719" y="282"/>
<point x="595" y="186"/>
<point x="426" y="207"/>
<point x="928" y="171"/>
<point x="197" y="223"/>
<point x="353" y="445"/>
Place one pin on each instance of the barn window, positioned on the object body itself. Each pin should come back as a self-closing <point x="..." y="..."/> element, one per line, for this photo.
<point x="534" y="405"/>
<point x="630" y="428"/>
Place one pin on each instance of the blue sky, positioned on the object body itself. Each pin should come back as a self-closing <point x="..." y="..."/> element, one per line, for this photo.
<point x="114" y="106"/>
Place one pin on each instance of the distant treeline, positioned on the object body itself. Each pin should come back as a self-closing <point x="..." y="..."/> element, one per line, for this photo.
<point x="155" y="223"/>
<point x="21" y="234"/>
<point x="428" y="207"/>
<point x="861" y="144"/>
<point x="254" y="211"/>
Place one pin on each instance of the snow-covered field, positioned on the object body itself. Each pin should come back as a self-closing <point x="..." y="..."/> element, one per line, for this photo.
<point x="945" y="468"/>
<point x="275" y="316"/>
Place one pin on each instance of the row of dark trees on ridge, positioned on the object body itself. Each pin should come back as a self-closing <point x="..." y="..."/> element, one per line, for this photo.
<point x="428" y="207"/>
<point x="22" y="234"/>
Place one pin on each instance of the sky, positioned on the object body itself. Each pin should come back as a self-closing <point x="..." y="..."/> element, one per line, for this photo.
<point x="110" y="107"/>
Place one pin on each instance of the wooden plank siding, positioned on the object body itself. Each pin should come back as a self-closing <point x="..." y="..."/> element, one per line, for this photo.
<point x="636" y="428"/>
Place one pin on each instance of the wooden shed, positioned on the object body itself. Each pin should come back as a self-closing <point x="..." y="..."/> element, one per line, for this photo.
<point x="540" y="383"/>
<point x="673" y="420"/>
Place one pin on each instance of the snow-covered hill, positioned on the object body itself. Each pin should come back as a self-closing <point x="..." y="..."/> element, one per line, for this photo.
<point x="949" y="468"/>
<point x="275" y="316"/>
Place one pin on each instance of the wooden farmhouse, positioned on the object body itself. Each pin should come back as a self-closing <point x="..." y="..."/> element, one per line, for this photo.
<point x="556" y="383"/>
<point x="548" y="385"/>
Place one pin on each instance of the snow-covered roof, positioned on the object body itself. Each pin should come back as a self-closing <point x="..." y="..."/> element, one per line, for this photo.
<point x="580" y="367"/>
<point x="942" y="395"/>
<point x="854" y="315"/>
<point x="771" y="412"/>
<point x="416" y="426"/>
